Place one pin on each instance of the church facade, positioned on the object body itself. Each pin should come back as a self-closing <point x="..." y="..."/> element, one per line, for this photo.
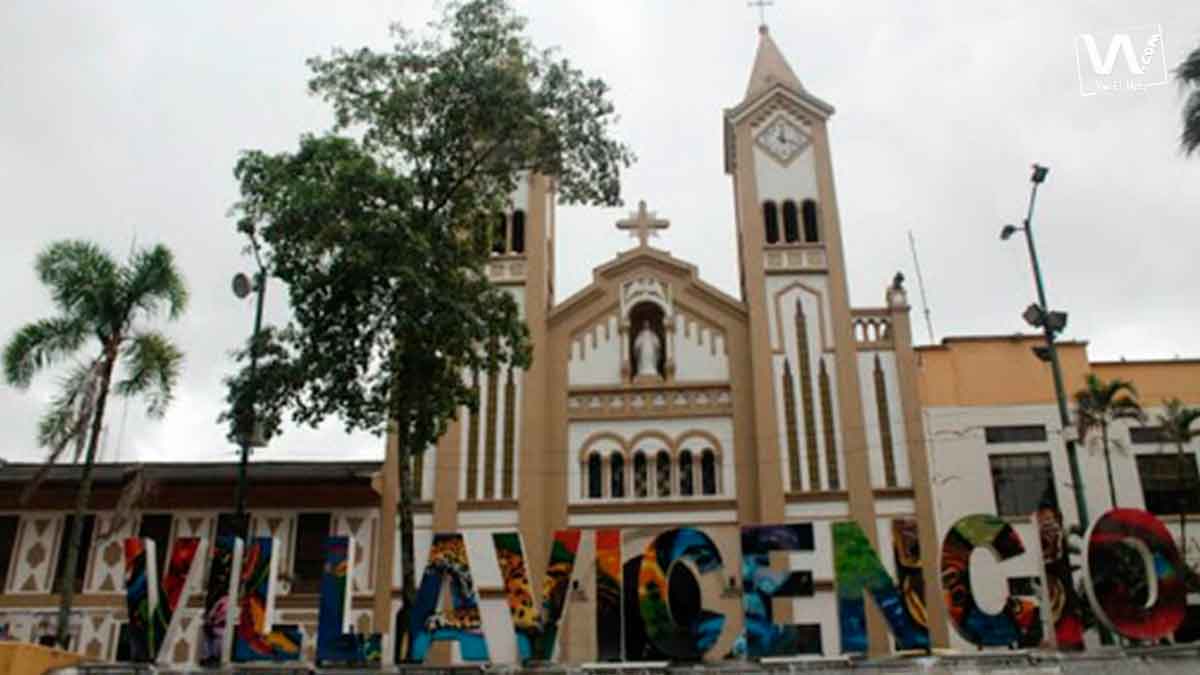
<point x="657" y="401"/>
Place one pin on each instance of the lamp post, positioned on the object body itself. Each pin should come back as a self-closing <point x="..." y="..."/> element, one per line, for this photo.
<point x="1051" y="323"/>
<point x="246" y="417"/>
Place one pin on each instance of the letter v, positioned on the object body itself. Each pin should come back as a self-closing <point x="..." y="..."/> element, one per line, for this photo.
<point x="536" y="631"/>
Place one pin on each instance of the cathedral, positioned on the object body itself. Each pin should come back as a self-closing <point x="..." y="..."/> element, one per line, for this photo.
<point x="660" y="416"/>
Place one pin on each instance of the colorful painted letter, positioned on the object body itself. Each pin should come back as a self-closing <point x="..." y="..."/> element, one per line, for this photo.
<point x="255" y="640"/>
<point x="463" y="623"/>
<point x="216" y="640"/>
<point x="336" y="643"/>
<point x="1019" y="623"/>
<point x="1065" y="608"/>
<point x="151" y="598"/>
<point x="685" y="638"/>
<point x="761" y="636"/>
<point x="857" y="568"/>
<point x="609" y="587"/>
<point x="1135" y="575"/>
<point x="536" y="630"/>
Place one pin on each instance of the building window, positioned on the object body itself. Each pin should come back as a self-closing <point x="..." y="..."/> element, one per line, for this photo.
<point x="518" y="231"/>
<point x="687" y="487"/>
<point x="157" y="528"/>
<point x="616" y="465"/>
<point x="1147" y="435"/>
<point x="1169" y="483"/>
<point x="771" y="222"/>
<point x="123" y="654"/>
<point x="812" y="230"/>
<point x="663" y="474"/>
<point x="500" y="234"/>
<point x="791" y="224"/>
<point x="308" y="559"/>
<point x="228" y="525"/>
<point x="1022" y="483"/>
<point x="594" y="478"/>
<point x="640" y="479"/>
<point x="708" y="473"/>
<point x="85" y="545"/>
<point x="8" y="535"/>
<point x="1021" y="433"/>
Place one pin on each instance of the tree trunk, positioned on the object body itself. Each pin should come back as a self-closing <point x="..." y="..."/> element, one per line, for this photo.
<point x="407" y="559"/>
<point x="1112" y="488"/>
<point x="85" y="492"/>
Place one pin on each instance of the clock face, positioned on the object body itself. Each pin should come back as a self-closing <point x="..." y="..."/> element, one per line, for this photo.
<point x="783" y="140"/>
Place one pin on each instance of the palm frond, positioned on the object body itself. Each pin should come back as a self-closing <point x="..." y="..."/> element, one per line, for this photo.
<point x="152" y="367"/>
<point x="151" y="279"/>
<point x="40" y="344"/>
<point x="67" y="422"/>
<point x="1188" y="77"/>
<point x="1176" y="421"/>
<point x="82" y="277"/>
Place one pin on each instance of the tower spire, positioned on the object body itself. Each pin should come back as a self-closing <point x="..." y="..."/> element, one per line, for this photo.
<point x="770" y="68"/>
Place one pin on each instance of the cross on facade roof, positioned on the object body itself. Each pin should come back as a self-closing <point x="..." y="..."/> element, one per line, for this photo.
<point x="762" y="6"/>
<point x="643" y="224"/>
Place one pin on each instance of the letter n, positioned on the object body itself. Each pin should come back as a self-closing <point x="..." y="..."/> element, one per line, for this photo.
<point x="858" y="570"/>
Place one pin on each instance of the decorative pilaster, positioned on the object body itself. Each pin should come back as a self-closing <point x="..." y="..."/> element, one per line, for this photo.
<point x="885" y="426"/>
<point x="489" y="438"/>
<point x="473" y="445"/>
<point x="831" y="463"/>
<point x="789" y="412"/>
<point x="510" y="402"/>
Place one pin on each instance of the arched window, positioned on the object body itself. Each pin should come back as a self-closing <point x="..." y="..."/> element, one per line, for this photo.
<point x="640" y="481"/>
<point x="662" y="474"/>
<point x="687" y="486"/>
<point x="708" y="473"/>
<point x="771" y="222"/>
<point x="500" y="234"/>
<point x="595" y="478"/>
<point x="518" y="231"/>
<point x="812" y="232"/>
<point x="791" y="224"/>
<point x="616" y="469"/>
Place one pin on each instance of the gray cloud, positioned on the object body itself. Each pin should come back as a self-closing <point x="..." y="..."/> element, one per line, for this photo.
<point x="121" y="123"/>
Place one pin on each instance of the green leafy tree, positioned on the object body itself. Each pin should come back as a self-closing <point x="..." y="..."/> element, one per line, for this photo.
<point x="102" y="307"/>
<point x="1176" y="422"/>
<point x="379" y="228"/>
<point x="1097" y="406"/>
<point x="1188" y="77"/>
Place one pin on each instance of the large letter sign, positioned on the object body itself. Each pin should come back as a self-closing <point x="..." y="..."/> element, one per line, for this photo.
<point x="664" y="556"/>
<point x="255" y="639"/>
<point x="335" y="642"/>
<point x="763" y="637"/>
<point x="610" y="619"/>
<point x="1129" y="550"/>
<point x="1019" y="622"/>
<point x="857" y="568"/>
<point x="463" y="623"/>
<point x="151" y="599"/>
<point x="536" y="630"/>
<point x="220" y="602"/>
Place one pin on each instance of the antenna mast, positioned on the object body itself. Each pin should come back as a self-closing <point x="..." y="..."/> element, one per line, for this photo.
<point x="912" y="244"/>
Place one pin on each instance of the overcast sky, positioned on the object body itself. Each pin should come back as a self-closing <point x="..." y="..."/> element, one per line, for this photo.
<point x="121" y="122"/>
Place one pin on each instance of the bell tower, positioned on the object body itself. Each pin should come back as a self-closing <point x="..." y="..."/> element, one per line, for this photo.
<point x="809" y="422"/>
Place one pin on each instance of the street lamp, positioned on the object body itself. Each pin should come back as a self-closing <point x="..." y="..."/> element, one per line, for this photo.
<point x="1051" y="323"/>
<point x="245" y="418"/>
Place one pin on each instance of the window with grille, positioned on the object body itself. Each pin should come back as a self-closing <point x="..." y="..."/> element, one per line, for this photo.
<point x="595" y="478"/>
<point x="1018" y="433"/>
<point x="1147" y="435"/>
<point x="708" y="473"/>
<point x="309" y="556"/>
<point x="663" y="475"/>
<point x="686" y="486"/>
<point x="1169" y="483"/>
<point x="1022" y="483"/>
<point x="616" y="466"/>
<point x="85" y="547"/>
<point x="8" y="535"/>
<point x="640" y="479"/>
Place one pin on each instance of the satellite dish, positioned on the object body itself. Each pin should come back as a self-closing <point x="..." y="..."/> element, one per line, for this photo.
<point x="241" y="285"/>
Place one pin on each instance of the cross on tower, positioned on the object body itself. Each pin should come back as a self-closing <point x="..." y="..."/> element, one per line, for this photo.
<point x="762" y="6"/>
<point x="643" y="224"/>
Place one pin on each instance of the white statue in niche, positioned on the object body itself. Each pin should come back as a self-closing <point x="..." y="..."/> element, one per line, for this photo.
<point x="647" y="350"/>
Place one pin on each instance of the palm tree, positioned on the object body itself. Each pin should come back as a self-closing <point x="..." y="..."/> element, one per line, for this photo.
<point x="1176" y="423"/>
<point x="1100" y="403"/>
<point x="102" y="300"/>
<point x="1188" y="76"/>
